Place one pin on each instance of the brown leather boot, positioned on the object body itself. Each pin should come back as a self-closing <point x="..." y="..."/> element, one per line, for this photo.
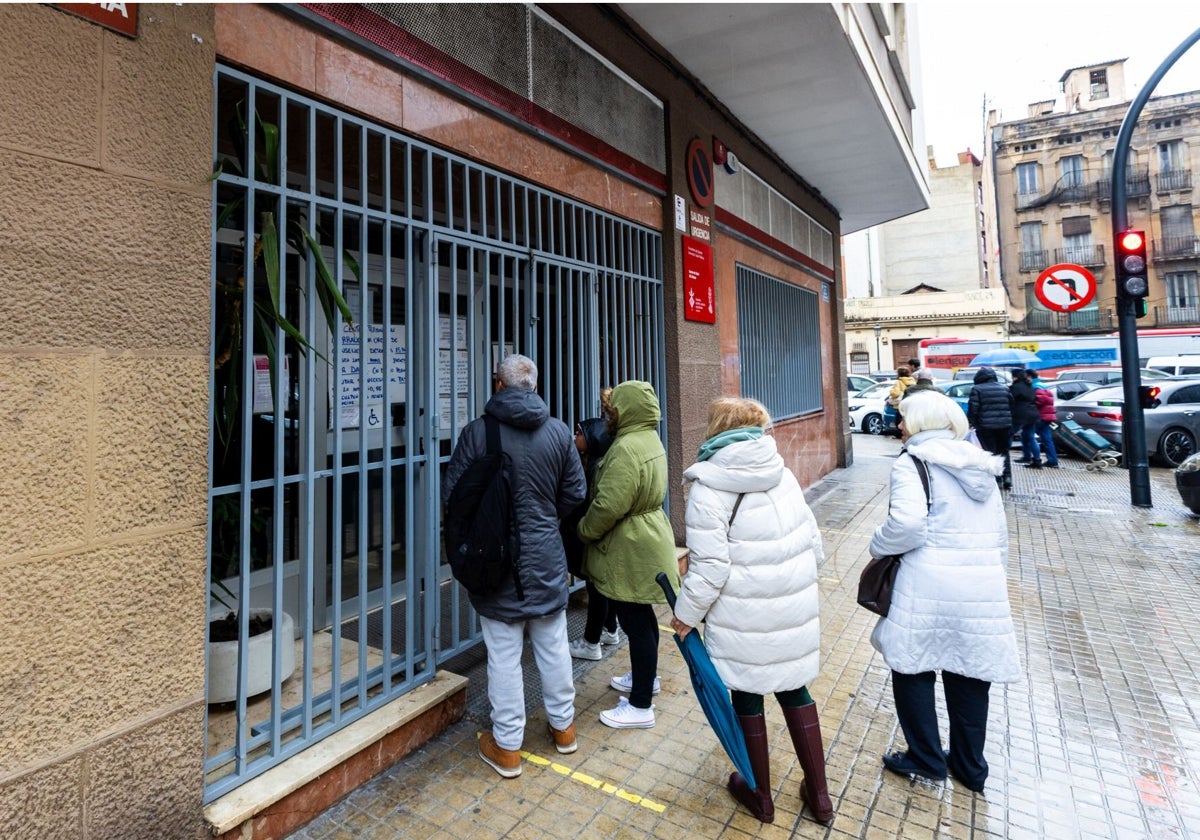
<point x="758" y="801"/>
<point x="805" y="729"/>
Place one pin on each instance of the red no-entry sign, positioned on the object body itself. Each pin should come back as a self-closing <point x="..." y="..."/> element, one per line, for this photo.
<point x="1065" y="287"/>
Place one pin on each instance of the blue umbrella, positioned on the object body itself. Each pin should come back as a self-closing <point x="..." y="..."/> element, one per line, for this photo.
<point x="712" y="694"/>
<point x="1005" y="357"/>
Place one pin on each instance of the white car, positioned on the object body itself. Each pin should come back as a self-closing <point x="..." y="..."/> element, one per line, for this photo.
<point x="856" y="382"/>
<point x="866" y="408"/>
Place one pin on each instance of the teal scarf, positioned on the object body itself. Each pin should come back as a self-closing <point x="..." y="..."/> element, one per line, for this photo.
<point x="716" y="442"/>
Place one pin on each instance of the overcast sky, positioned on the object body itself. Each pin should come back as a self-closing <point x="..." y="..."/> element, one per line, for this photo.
<point x="1014" y="54"/>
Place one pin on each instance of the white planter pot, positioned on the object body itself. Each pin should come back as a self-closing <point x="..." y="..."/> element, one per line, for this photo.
<point x="223" y="661"/>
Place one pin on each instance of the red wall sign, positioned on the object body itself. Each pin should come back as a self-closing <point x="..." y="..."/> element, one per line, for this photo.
<point x="698" y="304"/>
<point x="119" y="17"/>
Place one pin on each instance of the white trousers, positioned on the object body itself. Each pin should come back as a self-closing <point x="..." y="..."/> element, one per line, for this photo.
<point x="506" y="682"/>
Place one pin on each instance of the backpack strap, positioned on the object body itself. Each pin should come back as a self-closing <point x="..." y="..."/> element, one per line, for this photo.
<point x="737" y="504"/>
<point x="492" y="425"/>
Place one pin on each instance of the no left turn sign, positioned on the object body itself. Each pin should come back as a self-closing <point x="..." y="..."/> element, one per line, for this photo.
<point x="1065" y="287"/>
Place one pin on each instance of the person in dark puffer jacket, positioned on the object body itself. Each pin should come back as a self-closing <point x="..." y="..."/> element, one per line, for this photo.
<point x="547" y="483"/>
<point x="990" y="413"/>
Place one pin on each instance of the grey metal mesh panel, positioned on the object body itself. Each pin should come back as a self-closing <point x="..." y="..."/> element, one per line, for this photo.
<point x="779" y="343"/>
<point x="487" y="37"/>
<point x="572" y="84"/>
<point x="530" y="57"/>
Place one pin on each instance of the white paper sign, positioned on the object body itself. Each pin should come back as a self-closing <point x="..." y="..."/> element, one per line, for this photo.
<point x="264" y="396"/>
<point x="349" y="380"/>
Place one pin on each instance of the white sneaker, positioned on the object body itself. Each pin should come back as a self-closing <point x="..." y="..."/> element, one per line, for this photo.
<point x="581" y="649"/>
<point x="607" y="638"/>
<point x="625" y="683"/>
<point x="625" y="716"/>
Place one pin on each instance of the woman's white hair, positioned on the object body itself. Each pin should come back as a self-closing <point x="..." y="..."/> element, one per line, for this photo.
<point x="925" y="410"/>
<point x="517" y="371"/>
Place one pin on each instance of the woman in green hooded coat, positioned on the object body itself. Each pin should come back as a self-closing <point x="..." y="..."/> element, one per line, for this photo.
<point x="629" y="541"/>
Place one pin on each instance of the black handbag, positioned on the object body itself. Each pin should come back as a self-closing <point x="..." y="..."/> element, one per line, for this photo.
<point x="879" y="575"/>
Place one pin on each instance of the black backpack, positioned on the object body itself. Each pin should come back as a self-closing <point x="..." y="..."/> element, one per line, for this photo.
<point x="482" y="545"/>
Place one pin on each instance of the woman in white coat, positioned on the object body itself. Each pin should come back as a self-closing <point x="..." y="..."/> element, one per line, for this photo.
<point x="950" y="609"/>
<point x="752" y="578"/>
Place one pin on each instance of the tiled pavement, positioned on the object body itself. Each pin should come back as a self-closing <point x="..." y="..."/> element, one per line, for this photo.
<point x="1101" y="739"/>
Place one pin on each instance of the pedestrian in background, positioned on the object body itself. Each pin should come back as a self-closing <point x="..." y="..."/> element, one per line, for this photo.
<point x="949" y="609"/>
<point x="1025" y="417"/>
<point x="1044" y="399"/>
<point x="923" y="381"/>
<point x="752" y="578"/>
<point x="591" y="441"/>
<point x="629" y="541"/>
<point x="903" y="382"/>
<point x="547" y="483"/>
<point x="990" y="413"/>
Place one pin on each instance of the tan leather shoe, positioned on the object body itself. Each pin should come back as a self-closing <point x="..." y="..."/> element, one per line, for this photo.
<point x="505" y="762"/>
<point x="564" y="739"/>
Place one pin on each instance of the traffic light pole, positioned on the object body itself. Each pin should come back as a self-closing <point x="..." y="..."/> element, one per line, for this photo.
<point x="1134" y="422"/>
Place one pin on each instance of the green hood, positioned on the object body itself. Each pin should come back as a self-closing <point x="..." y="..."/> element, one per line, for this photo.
<point x="636" y="405"/>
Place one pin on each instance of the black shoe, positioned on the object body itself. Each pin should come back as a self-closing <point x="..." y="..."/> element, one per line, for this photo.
<point x="900" y="764"/>
<point x="968" y="785"/>
<point x="1007" y="485"/>
<point x="1053" y="466"/>
<point x="1023" y="461"/>
<point x="1033" y="465"/>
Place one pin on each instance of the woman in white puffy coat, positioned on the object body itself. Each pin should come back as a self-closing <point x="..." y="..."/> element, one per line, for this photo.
<point x="949" y="609"/>
<point x="752" y="578"/>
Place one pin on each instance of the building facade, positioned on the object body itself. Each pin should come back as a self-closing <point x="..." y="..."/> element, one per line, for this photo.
<point x="925" y="275"/>
<point x="261" y="263"/>
<point x="1053" y="174"/>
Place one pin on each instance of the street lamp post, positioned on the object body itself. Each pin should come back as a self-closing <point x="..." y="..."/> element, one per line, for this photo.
<point x="878" y="352"/>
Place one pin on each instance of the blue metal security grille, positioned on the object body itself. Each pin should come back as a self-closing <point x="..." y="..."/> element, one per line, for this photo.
<point x="365" y="285"/>
<point x="779" y="342"/>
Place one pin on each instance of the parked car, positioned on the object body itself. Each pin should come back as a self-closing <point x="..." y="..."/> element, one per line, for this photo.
<point x="1068" y="389"/>
<point x="958" y="391"/>
<point x="866" y="408"/>
<point x="856" y="383"/>
<point x="968" y="373"/>
<point x="1172" y="425"/>
<point x="1105" y="375"/>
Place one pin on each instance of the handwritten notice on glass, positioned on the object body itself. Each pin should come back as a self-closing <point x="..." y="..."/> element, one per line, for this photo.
<point x="353" y="381"/>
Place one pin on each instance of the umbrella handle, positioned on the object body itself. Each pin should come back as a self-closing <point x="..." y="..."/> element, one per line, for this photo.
<point x="665" y="582"/>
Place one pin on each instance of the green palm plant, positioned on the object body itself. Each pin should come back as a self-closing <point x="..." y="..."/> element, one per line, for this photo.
<point x="268" y="312"/>
<point x="230" y="342"/>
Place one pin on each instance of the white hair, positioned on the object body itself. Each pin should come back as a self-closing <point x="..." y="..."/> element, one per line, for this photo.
<point x="925" y="410"/>
<point x="517" y="371"/>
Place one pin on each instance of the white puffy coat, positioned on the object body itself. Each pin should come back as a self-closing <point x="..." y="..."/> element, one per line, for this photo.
<point x="754" y="582"/>
<point x="950" y="605"/>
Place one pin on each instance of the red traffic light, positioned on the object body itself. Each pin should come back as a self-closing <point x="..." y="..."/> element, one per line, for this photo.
<point x="1132" y="240"/>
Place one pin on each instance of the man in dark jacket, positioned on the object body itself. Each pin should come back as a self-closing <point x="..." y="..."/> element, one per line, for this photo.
<point x="1025" y="417"/>
<point x="990" y="413"/>
<point x="547" y="483"/>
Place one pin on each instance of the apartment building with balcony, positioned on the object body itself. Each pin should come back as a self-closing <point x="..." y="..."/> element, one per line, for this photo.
<point x="1052" y="181"/>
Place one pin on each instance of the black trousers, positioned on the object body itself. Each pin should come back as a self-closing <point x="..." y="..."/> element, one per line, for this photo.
<point x="600" y="615"/>
<point x="967" y="707"/>
<point x="997" y="442"/>
<point x="641" y="626"/>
